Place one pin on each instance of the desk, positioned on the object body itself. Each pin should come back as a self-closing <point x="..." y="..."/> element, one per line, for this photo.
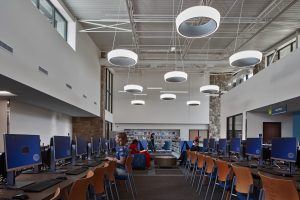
<point x="48" y="193"/>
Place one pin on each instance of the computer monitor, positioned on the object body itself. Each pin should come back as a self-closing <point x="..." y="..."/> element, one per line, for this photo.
<point x="235" y="145"/>
<point x="22" y="151"/>
<point x="81" y="146"/>
<point x="253" y="147"/>
<point x="284" y="149"/>
<point x="62" y="147"/>
<point x="222" y="148"/>
<point x="103" y="144"/>
<point x="95" y="145"/>
<point x="212" y="144"/>
<point x="112" y="143"/>
<point x="205" y="143"/>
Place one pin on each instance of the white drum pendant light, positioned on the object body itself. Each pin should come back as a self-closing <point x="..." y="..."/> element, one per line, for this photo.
<point x="167" y="97"/>
<point x="122" y="57"/>
<point x="186" y="29"/>
<point x="133" y="88"/>
<point x="245" y="58"/>
<point x="193" y="103"/>
<point x="138" y="102"/>
<point x="175" y="76"/>
<point x="210" y="89"/>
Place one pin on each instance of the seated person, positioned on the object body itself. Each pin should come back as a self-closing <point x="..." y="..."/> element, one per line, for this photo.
<point x="122" y="152"/>
<point x="195" y="146"/>
<point x="134" y="150"/>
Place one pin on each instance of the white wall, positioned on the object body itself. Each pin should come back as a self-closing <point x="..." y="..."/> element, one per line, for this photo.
<point x="255" y="123"/>
<point x="158" y="114"/>
<point x="184" y="128"/>
<point x="278" y="82"/>
<point x="27" y="119"/>
<point x="36" y="43"/>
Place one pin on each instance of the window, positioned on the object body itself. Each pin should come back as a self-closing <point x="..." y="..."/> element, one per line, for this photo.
<point x="109" y="91"/>
<point x="54" y="17"/>
<point x="108" y="129"/>
<point x="234" y="126"/>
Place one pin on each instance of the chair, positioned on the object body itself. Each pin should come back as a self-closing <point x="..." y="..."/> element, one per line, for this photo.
<point x="200" y="167"/>
<point x="223" y="177"/>
<point x="242" y="181"/>
<point x="56" y="194"/>
<point x="193" y="163"/>
<point x="99" y="181"/>
<point x="278" y="188"/>
<point x="130" y="179"/>
<point x="111" y="170"/>
<point x="187" y="163"/>
<point x="208" y="172"/>
<point x="79" y="188"/>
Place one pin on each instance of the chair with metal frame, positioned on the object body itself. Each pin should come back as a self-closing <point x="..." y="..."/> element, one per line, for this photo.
<point x="209" y="172"/>
<point x="223" y="177"/>
<point x="100" y="190"/>
<point x="277" y="188"/>
<point x="192" y="166"/>
<point x="57" y="194"/>
<point x="110" y="176"/>
<point x="199" y="168"/>
<point x="80" y="187"/>
<point x="187" y="164"/>
<point x="242" y="182"/>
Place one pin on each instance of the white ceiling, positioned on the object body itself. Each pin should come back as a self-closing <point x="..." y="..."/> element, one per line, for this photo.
<point x="147" y="28"/>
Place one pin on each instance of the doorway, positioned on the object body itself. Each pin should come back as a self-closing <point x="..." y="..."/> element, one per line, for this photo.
<point x="271" y="130"/>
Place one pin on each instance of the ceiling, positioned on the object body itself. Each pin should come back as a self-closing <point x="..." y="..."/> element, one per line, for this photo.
<point x="147" y="28"/>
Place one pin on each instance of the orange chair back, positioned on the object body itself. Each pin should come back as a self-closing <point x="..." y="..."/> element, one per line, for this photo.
<point x="128" y="164"/>
<point x="243" y="179"/>
<point x="223" y="170"/>
<point x="99" y="179"/>
<point x="200" y="161"/>
<point x="209" y="164"/>
<point x="278" y="188"/>
<point x="56" y="195"/>
<point x="188" y="155"/>
<point x="111" y="169"/>
<point x="193" y="157"/>
<point x="79" y="188"/>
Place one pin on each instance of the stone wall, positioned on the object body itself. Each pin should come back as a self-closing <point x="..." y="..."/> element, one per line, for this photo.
<point x="88" y="127"/>
<point x="214" y="104"/>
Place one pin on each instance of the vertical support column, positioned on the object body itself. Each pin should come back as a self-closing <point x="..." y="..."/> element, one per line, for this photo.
<point x="297" y="38"/>
<point x="3" y="122"/>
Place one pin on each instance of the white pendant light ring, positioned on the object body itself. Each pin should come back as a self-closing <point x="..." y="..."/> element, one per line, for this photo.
<point x="186" y="29"/>
<point x="193" y="103"/>
<point x="138" y="102"/>
<point x="175" y="76"/>
<point x="210" y="89"/>
<point x="167" y="97"/>
<point x="133" y="88"/>
<point x="122" y="57"/>
<point x="245" y="58"/>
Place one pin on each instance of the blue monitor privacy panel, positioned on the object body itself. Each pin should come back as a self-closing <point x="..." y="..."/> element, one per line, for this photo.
<point x="253" y="146"/>
<point x="235" y="145"/>
<point x="112" y="143"/>
<point x="205" y="143"/>
<point x="81" y="146"/>
<point x="222" y="145"/>
<point x="95" y="144"/>
<point x="62" y="147"/>
<point x="284" y="149"/>
<point x="211" y="143"/>
<point x="103" y="144"/>
<point x="22" y="151"/>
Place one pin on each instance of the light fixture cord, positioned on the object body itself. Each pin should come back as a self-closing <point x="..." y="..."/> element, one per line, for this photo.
<point x="113" y="46"/>
<point x="238" y="29"/>
<point x="128" y="75"/>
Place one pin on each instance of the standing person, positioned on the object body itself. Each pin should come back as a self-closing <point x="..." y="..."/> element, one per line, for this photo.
<point x="134" y="150"/>
<point x="152" y="141"/>
<point x="122" y="152"/>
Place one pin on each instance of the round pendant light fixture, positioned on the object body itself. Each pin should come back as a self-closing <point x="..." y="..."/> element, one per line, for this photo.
<point x="133" y="88"/>
<point x="245" y="58"/>
<point x="175" y="76"/>
<point x="138" y="102"/>
<point x="122" y="57"/>
<point x="193" y="103"/>
<point x="188" y="30"/>
<point x="167" y="97"/>
<point x="210" y="89"/>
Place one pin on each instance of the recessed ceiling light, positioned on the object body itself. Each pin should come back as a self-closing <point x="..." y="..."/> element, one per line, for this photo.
<point x="133" y="88"/>
<point x="167" y="97"/>
<point x="122" y="91"/>
<point x="193" y="103"/>
<point x="178" y="92"/>
<point x="138" y="102"/>
<point x="154" y="88"/>
<point x="210" y="89"/>
<point x="140" y="94"/>
<point x="122" y="57"/>
<point x="175" y="76"/>
<point x="6" y="93"/>
<point x="245" y="58"/>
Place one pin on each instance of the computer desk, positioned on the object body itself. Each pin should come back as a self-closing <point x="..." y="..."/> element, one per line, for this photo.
<point x="48" y="193"/>
<point x="255" y="171"/>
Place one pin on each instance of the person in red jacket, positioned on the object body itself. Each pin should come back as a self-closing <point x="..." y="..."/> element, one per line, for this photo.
<point x="133" y="148"/>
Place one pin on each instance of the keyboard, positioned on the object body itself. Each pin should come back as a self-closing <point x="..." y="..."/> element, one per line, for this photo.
<point x="41" y="185"/>
<point x="94" y="163"/>
<point x="277" y="172"/>
<point x="76" y="171"/>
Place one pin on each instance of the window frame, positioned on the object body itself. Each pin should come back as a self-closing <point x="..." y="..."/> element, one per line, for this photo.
<point x="109" y="90"/>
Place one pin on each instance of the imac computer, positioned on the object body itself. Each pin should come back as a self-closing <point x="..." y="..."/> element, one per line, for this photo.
<point x="211" y="144"/>
<point x="253" y="147"/>
<point x="21" y="152"/>
<point x="235" y="145"/>
<point x="112" y="143"/>
<point x="95" y="145"/>
<point x="60" y="151"/>
<point x="222" y="147"/>
<point x="205" y="145"/>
